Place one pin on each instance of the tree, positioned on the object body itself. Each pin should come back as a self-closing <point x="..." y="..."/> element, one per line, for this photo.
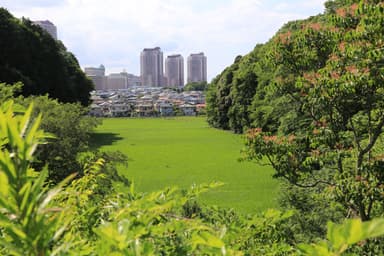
<point x="7" y="92"/>
<point x="196" y="86"/>
<point x="71" y="130"/>
<point x="30" y="55"/>
<point x="218" y="99"/>
<point x="332" y="71"/>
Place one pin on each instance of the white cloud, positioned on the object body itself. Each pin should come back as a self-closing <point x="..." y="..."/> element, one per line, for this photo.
<point x="114" y="32"/>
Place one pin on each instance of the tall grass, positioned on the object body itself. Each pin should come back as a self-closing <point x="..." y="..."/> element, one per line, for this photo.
<point x="182" y="151"/>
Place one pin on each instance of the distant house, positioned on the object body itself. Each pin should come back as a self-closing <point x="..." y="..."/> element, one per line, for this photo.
<point x="106" y="109"/>
<point x="144" y="110"/>
<point x="95" y="110"/>
<point x="188" y="109"/>
<point x="165" y="108"/>
<point x="120" y="109"/>
<point x="145" y="102"/>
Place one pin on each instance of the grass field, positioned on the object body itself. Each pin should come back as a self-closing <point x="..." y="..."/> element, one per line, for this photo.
<point x="185" y="150"/>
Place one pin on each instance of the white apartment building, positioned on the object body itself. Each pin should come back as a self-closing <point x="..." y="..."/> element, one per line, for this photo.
<point x="151" y="67"/>
<point x="174" y="71"/>
<point x="197" y="68"/>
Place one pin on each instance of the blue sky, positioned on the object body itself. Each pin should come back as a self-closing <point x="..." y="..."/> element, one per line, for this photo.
<point x="114" y="32"/>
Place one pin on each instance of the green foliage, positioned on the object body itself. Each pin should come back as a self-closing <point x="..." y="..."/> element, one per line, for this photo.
<point x="7" y="92"/>
<point x="151" y="226"/>
<point x="30" y="55"/>
<point x="29" y="224"/>
<point x="39" y="221"/>
<point x="196" y="86"/>
<point x="313" y="208"/>
<point x="87" y="217"/>
<point x="230" y="95"/>
<point x="341" y="237"/>
<point x="330" y="71"/>
<point x="261" y="234"/>
<point x="71" y="129"/>
<point x="111" y="161"/>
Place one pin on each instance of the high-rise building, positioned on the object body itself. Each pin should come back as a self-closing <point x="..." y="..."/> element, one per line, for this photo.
<point x="151" y="67"/>
<point x="174" y="70"/>
<point x="117" y="81"/>
<point x="47" y="26"/>
<point x="97" y="75"/>
<point x="197" y="68"/>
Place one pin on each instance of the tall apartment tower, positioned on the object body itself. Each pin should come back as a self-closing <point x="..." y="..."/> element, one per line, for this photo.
<point x="47" y="26"/>
<point x="151" y="67"/>
<point x="97" y="75"/>
<point x="174" y="70"/>
<point x="197" y="68"/>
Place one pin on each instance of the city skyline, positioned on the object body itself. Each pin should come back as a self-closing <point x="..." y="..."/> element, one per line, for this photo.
<point x="222" y="29"/>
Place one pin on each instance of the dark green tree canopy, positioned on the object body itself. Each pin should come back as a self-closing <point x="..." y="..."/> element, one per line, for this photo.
<point x="30" y="55"/>
<point x="313" y="95"/>
<point x="196" y="86"/>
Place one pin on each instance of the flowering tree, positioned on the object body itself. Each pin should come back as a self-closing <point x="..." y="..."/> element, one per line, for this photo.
<point x="332" y="69"/>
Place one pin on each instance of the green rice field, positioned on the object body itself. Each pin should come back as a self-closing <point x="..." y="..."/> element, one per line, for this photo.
<point x="182" y="151"/>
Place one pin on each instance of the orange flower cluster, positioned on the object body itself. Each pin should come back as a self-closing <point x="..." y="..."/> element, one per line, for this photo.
<point x="335" y="75"/>
<point x="252" y="133"/>
<point x="356" y="71"/>
<point x="291" y="138"/>
<point x="285" y="38"/>
<point x="314" y="26"/>
<point x="334" y="57"/>
<point x="257" y="132"/>
<point x="352" y="69"/>
<point x="272" y="138"/>
<point x="311" y="77"/>
<point x="342" y="46"/>
<point x="351" y="10"/>
<point x="315" y="153"/>
<point x="342" y="12"/>
<point x="333" y="29"/>
<point x="279" y="140"/>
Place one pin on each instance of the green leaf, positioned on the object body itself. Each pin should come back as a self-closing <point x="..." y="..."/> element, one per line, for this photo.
<point x="353" y="231"/>
<point x="4" y="184"/>
<point x="206" y="238"/>
<point x="373" y="228"/>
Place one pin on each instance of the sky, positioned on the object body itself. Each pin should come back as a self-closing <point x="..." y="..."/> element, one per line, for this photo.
<point x="114" y="32"/>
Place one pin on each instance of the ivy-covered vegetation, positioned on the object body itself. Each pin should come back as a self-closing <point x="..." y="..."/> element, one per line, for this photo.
<point x="30" y="55"/>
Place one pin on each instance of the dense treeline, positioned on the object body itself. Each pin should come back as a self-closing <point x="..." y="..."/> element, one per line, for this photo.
<point x="313" y="109"/>
<point x="30" y="55"/>
<point x="245" y="94"/>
